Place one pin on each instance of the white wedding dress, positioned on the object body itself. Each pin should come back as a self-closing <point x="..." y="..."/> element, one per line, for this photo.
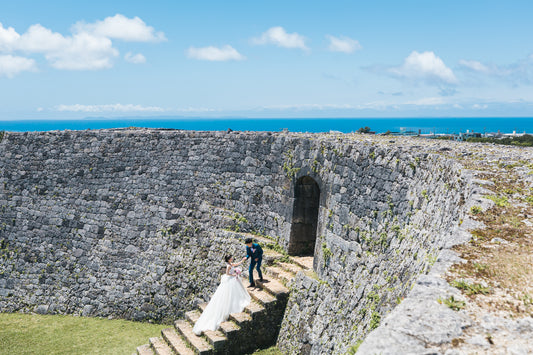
<point x="230" y="297"/>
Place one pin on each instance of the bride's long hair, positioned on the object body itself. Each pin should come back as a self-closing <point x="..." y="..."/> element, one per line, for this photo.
<point x="228" y="258"/>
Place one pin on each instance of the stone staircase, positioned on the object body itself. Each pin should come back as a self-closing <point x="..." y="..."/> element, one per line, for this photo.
<point x="260" y="320"/>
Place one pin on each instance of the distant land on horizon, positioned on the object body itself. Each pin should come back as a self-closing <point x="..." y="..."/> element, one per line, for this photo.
<point x="346" y="125"/>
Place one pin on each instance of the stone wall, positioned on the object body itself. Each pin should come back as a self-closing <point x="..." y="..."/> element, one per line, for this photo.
<point x="134" y="223"/>
<point x="388" y="207"/>
<point x="129" y="223"/>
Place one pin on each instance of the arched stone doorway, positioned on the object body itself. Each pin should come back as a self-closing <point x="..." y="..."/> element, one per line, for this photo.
<point x="304" y="217"/>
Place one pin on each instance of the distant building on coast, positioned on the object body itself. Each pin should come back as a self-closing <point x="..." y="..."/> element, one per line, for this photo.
<point x="464" y="136"/>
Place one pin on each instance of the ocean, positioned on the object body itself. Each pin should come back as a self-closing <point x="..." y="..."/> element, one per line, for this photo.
<point x="346" y="125"/>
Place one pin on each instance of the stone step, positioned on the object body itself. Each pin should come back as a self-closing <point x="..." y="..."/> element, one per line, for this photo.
<point x="306" y="262"/>
<point x="254" y="309"/>
<point x="260" y="295"/>
<point x="201" y="306"/>
<point x="280" y="273"/>
<point x="269" y="256"/>
<point x="192" y="316"/>
<point x="160" y="347"/>
<point x="294" y="268"/>
<point x="272" y="271"/>
<point x="274" y="287"/>
<point x="198" y="344"/>
<point x="229" y="329"/>
<point x="226" y="328"/>
<point x="175" y="342"/>
<point x="145" y="350"/>
<point x="217" y="339"/>
<point x="241" y="318"/>
<point x="265" y="295"/>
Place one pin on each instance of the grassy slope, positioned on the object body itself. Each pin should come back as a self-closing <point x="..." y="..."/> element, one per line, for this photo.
<point x="506" y="267"/>
<point x="270" y="351"/>
<point x="38" y="334"/>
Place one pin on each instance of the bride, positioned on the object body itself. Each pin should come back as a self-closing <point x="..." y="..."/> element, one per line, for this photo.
<point x="230" y="297"/>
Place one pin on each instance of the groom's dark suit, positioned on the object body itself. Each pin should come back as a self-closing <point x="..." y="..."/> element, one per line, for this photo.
<point x="255" y="252"/>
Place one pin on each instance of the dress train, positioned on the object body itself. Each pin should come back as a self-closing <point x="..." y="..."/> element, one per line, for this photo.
<point x="230" y="297"/>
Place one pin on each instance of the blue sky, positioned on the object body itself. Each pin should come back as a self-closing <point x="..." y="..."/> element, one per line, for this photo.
<point x="64" y="59"/>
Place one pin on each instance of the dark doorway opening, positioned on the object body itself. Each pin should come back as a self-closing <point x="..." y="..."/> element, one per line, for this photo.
<point x="304" y="217"/>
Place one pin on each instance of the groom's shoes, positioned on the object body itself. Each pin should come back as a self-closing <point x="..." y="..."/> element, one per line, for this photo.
<point x="263" y="280"/>
<point x="251" y="285"/>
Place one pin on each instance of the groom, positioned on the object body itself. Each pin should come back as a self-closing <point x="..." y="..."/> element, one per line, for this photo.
<point x="254" y="251"/>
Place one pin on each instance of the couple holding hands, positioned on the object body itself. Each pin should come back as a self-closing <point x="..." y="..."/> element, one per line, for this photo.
<point x="231" y="296"/>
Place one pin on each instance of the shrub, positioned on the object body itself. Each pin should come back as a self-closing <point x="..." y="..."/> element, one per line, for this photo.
<point x="353" y="349"/>
<point x="500" y="201"/>
<point x="376" y="319"/>
<point x="451" y="302"/>
<point x="476" y="210"/>
<point x="525" y="141"/>
<point x="326" y="252"/>
<point x="470" y="289"/>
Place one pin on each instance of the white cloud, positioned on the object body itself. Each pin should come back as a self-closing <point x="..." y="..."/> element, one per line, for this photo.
<point x="108" y="108"/>
<point x="39" y="39"/>
<point x="90" y="47"/>
<point x="426" y="67"/>
<point x="301" y="107"/>
<point x="8" y="37"/>
<point x="12" y="65"/>
<point x="123" y="28"/>
<point x="343" y="44"/>
<point x="135" y="58"/>
<point x="518" y="73"/>
<point x="427" y="101"/>
<point x="196" y="109"/>
<point x="212" y="53"/>
<point x="279" y="37"/>
<point x="83" y="52"/>
<point x="474" y="65"/>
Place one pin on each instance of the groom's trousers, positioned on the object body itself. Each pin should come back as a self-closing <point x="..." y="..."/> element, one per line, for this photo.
<point x="257" y="265"/>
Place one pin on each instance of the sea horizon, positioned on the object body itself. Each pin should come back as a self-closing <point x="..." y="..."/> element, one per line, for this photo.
<point x="441" y="125"/>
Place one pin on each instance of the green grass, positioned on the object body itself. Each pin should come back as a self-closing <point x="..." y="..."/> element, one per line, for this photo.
<point x="470" y="289"/>
<point x="451" y="302"/>
<point x="524" y="141"/>
<point x="270" y="351"/>
<point x="55" y="334"/>
<point x="375" y="320"/>
<point x="353" y="349"/>
<point x="500" y="201"/>
<point x="476" y="210"/>
<point x="326" y="252"/>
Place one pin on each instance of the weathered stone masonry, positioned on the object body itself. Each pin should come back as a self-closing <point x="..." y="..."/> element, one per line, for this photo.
<point x="133" y="223"/>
